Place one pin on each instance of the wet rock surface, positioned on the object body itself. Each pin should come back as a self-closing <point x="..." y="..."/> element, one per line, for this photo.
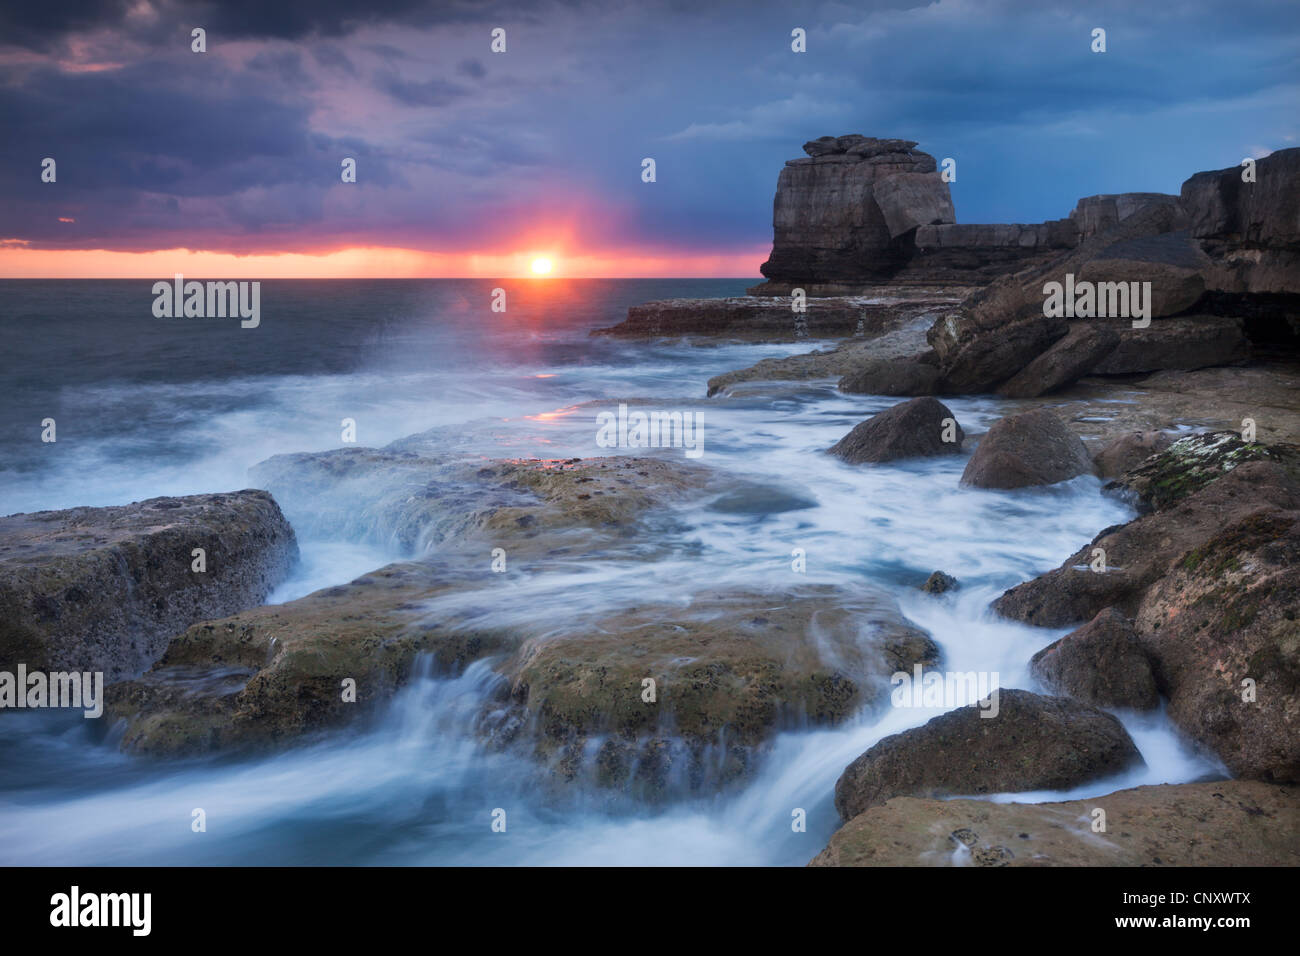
<point x="1032" y="448"/>
<point x="1211" y="583"/>
<point x="104" y="589"/>
<point x="1102" y="663"/>
<point x="1029" y="742"/>
<point x="1225" y="823"/>
<point x="920" y="428"/>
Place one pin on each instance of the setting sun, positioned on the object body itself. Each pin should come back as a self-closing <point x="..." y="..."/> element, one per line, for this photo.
<point x="542" y="266"/>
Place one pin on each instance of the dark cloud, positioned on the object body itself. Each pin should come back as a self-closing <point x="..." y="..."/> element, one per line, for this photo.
<point x="42" y="26"/>
<point x="433" y="92"/>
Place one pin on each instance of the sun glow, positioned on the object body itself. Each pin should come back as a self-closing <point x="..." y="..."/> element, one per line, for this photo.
<point x="542" y="266"/>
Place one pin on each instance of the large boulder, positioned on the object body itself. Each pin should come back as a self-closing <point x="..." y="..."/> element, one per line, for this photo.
<point x="1101" y="663"/>
<point x="1189" y="825"/>
<point x="1032" y="448"/>
<point x="1172" y="262"/>
<point x="1031" y="743"/>
<point x="103" y="589"/>
<point x="1067" y="360"/>
<point x="915" y="429"/>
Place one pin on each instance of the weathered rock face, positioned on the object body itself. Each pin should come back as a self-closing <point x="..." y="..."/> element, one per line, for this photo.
<point x="1094" y="214"/>
<point x="1212" y="582"/>
<point x="844" y="213"/>
<point x="1187" y="824"/>
<point x="1032" y="448"/>
<point x="103" y="589"/>
<point x="729" y="670"/>
<point x="1101" y="663"/>
<point x="1182" y="344"/>
<point x="1067" y="360"/>
<point x="1141" y="552"/>
<point x="1128" y="451"/>
<point x="914" y="429"/>
<point x="977" y="252"/>
<point x="1001" y="329"/>
<point x="1223" y="628"/>
<point x="1033" y="743"/>
<point x="1252" y="229"/>
<point x="891" y="377"/>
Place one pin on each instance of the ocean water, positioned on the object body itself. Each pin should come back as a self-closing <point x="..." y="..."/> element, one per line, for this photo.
<point x="148" y="407"/>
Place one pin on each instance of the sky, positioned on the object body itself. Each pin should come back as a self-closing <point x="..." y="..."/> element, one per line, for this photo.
<point x="469" y="162"/>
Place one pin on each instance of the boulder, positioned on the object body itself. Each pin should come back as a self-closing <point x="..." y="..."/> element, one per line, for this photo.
<point x="1033" y="743"/>
<point x="1125" y="452"/>
<point x="1101" y="663"/>
<point x="982" y="345"/>
<point x="913" y="429"/>
<point x="1067" y="360"/>
<point x="267" y="676"/>
<point x="1032" y="448"/>
<point x="940" y="583"/>
<point x="103" y="589"/>
<point x="1185" y="825"/>
<point x="1172" y="262"/>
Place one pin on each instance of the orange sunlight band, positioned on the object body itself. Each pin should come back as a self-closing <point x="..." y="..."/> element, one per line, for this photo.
<point x="19" y="262"/>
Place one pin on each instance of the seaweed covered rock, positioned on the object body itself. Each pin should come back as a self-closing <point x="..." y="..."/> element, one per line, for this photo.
<point x="1191" y="463"/>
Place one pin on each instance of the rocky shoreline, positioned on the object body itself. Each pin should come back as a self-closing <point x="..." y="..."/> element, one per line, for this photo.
<point x="1192" y="606"/>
